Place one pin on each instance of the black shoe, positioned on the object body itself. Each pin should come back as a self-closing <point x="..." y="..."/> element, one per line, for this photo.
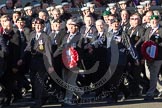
<point x="68" y="103"/>
<point x="6" y="102"/>
<point x="17" y="98"/>
<point x="110" y="100"/>
<point x="37" y="104"/>
<point x="65" y="105"/>
<point x="44" y="100"/>
<point x="149" y="98"/>
<point x="123" y="99"/>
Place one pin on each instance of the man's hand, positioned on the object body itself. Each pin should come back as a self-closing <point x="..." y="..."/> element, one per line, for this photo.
<point x="142" y="61"/>
<point x="137" y="63"/>
<point x="14" y="70"/>
<point x="90" y="48"/>
<point x="19" y="62"/>
<point x="50" y="69"/>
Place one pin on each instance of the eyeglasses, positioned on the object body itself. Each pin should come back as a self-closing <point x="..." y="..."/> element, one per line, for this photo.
<point x="134" y="18"/>
<point x="110" y="19"/>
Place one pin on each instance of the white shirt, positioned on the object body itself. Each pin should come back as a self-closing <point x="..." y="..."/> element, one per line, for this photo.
<point x="37" y="36"/>
<point x="100" y="34"/>
<point x="70" y="37"/>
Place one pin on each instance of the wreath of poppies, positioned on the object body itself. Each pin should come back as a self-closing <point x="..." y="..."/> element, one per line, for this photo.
<point x="145" y="47"/>
<point x="70" y="57"/>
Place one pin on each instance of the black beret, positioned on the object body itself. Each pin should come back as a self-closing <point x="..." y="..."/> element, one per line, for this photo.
<point x="39" y="21"/>
<point x="57" y="21"/>
<point x="22" y="19"/>
<point x="115" y="20"/>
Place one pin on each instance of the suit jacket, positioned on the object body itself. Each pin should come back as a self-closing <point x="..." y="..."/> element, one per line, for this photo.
<point x="84" y="31"/>
<point x="100" y="41"/>
<point x="47" y="27"/>
<point x="11" y="41"/>
<point x="73" y="42"/>
<point x="87" y="36"/>
<point x="145" y="25"/>
<point x="135" y="36"/>
<point x="3" y="55"/>
<point x="59" y="37"/>
<point x="99" y="44"/>
<point x="21" y="39"/>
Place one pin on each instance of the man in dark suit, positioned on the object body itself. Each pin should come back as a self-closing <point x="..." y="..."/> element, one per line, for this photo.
<point x="22" y="33"/>
<point x="56" y="37"/>
<point x="9" y="79"/>
<point x="99" y="42"/>
<point x="100" y="47"/>
<point x="57" y="34"/>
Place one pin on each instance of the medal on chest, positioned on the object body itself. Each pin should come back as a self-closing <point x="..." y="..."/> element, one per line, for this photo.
<point x="156" y="38"/>
<point x="41" y="47"/>
<point x="136" y="38"/>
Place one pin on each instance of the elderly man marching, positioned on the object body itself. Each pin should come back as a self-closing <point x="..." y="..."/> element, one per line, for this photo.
<point x="153" y="36"/>
<point x="70" y="52"/>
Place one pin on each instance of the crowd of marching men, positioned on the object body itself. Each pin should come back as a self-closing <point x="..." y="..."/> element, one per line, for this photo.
<point x="48" y="42"/>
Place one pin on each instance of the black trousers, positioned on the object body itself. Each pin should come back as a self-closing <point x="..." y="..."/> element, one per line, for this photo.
<point x="38" y="76"/>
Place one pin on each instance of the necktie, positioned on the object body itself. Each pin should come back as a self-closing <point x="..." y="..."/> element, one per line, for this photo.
<point x="37" y="37"/>
<point x="69" y="38"/>
<point x="22" y="36"/>
<point x="54" y="39"/>
<point x="132" y="31"/>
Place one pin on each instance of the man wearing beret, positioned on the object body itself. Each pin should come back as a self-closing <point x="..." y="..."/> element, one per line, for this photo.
<point x="22" y="33"/>
<point x="38" y="51"/>
<point x="105" y="16"/>
<point x="56" y="37"/>
<point x="154" y="33"/>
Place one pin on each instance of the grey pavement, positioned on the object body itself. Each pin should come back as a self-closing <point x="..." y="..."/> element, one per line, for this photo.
<point x="26" y="102"/>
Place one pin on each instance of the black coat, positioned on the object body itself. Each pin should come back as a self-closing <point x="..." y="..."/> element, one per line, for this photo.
<point x="56" y="40"/>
